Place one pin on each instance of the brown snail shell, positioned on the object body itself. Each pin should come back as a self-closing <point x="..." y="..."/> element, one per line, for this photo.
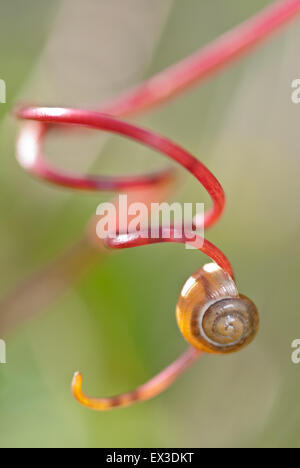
<point x="212" y="315"/>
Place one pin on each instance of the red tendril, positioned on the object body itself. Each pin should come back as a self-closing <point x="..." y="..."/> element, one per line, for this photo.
<point x="152" y="92"/>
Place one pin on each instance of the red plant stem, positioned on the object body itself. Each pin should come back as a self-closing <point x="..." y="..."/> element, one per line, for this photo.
<point x="39" y="167"/>
<point x="31" y="158"/>
<point x="164" y="85"/>
<point x="173" y="235"/>
<point x="206" y="61"/>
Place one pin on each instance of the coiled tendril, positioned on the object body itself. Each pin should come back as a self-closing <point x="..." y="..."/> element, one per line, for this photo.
<point x="157" y="89"/>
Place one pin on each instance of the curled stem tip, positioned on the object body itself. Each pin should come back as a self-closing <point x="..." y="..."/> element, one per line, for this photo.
<point x="150" y="389"/>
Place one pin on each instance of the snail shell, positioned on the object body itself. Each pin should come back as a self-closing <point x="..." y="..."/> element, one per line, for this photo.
<point x="212" y="315"/>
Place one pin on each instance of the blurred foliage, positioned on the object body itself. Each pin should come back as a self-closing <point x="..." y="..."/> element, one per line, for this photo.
<point x="118" y="325"/>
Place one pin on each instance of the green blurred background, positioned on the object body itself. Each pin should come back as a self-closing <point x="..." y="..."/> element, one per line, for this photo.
<point x="118" y="324"/>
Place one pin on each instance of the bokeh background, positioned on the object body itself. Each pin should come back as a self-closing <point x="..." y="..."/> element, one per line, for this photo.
<point x="117" y="324"/>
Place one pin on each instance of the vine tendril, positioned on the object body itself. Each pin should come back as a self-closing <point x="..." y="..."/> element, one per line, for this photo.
<point x="152" y="92"/>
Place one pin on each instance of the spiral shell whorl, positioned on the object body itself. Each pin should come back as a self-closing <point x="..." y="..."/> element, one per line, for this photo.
<point x="211" y="314"/>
